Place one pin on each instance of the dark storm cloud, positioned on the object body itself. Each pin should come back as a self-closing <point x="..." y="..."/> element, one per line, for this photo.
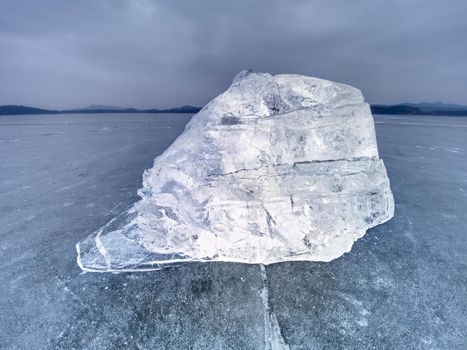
<point x="147" y="53"/>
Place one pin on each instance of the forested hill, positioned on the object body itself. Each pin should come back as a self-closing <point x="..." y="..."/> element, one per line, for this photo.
<point x="400" y="109"/>
<point x="420" y="109"/>
<point x="18" y="110"/>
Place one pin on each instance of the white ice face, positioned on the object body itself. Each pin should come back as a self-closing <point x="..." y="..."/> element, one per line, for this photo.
<point x="277" y="168"/>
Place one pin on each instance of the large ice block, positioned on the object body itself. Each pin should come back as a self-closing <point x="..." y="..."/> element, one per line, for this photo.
<point x="276" y="168"/>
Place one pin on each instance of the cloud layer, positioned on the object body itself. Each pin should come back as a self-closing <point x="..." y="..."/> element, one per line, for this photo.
<point x="145" y="53"/>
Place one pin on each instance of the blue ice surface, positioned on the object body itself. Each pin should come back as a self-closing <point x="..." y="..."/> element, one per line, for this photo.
<point x="403" y="285"/>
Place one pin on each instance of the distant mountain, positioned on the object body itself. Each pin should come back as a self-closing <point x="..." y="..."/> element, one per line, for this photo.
<point x="14" y="110"/>
<point x="421" y="109"/>
<point x="183" y="109"/>
<point x="396" y="109"/>
<point x="424" y="108"/>
<point x="436" y="106"/>
<point x="101" y="107"/>
<point x="17" y="110"/>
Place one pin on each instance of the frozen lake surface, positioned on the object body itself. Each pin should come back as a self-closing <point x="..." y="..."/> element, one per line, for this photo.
<point x="403" y="285"/>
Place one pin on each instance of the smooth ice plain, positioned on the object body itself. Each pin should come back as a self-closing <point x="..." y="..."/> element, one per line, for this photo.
<point x="63" y="176"/>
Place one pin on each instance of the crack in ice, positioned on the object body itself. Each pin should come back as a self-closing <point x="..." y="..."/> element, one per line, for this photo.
<point x="273" y="339"/>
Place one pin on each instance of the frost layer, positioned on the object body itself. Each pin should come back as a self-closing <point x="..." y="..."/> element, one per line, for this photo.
<point x="277" y="168"/>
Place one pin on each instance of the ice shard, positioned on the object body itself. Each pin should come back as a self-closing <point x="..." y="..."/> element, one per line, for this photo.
<point x="277" y="168"/>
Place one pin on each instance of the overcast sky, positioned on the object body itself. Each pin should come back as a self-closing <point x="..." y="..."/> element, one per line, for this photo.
<point x="143" y="53"/>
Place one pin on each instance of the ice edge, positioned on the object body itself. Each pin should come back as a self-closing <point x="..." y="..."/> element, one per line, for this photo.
<point x="167" y="263"/>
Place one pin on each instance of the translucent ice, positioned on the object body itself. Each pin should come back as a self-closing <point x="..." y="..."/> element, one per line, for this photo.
<point x="277" y="168"/>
